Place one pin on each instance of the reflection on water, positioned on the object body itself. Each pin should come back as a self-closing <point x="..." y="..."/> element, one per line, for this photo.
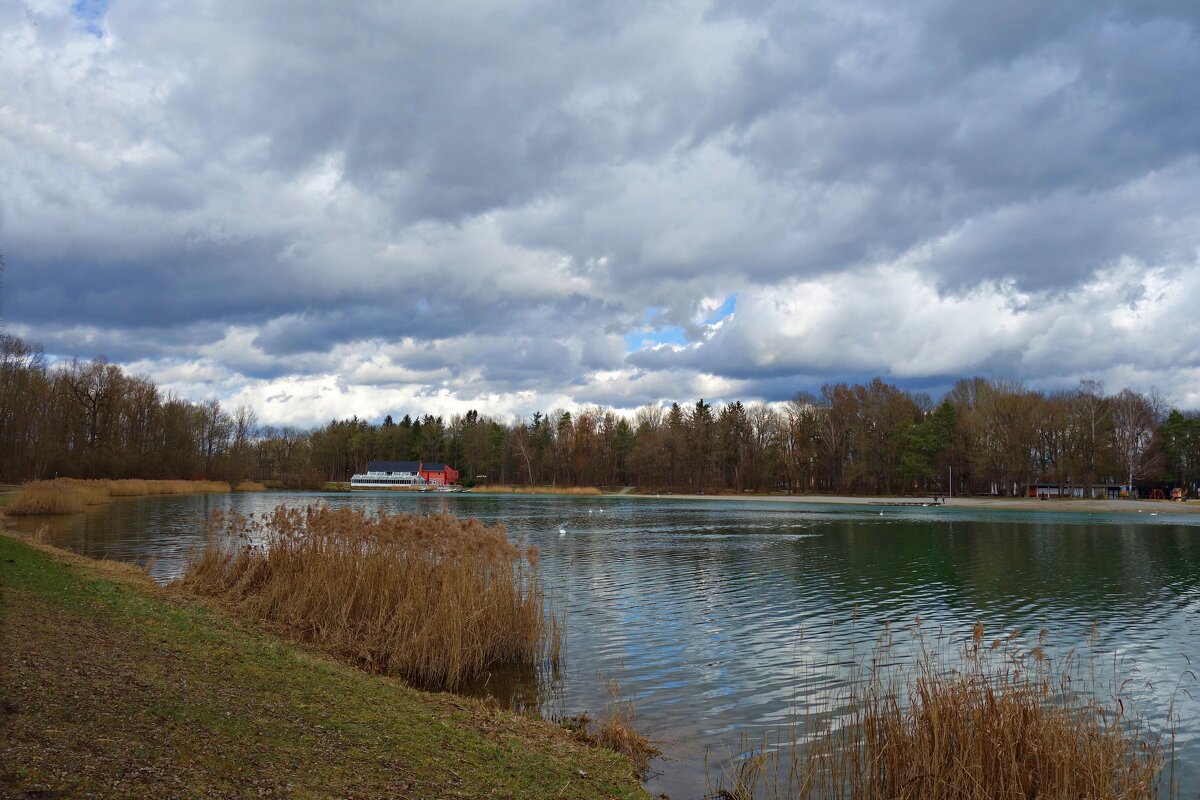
<point x="706" y="611"/>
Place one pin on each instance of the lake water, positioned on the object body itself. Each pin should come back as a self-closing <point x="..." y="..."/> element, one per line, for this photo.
<point x="705" y="611"/>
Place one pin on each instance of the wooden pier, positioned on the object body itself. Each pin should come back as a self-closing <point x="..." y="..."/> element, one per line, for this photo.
<point x="937" y="501"/>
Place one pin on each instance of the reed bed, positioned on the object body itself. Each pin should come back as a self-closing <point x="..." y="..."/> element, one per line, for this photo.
<point x="71" y="495"/>
<point x="434" y="599"/>
<point x="616" y="730"/>
<point x="250" y="486"/>
<point x="584" y="491"/>
<point x="139" y="488"/>
<point x="41" y="498"/>
<point x="986" y="721"/>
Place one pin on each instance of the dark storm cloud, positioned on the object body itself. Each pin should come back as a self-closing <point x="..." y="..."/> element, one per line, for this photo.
<point x="475" y="198"/>
<point x="236" y="281"/>
<point x="426" y="316"/>
<point x="124" y="345"/>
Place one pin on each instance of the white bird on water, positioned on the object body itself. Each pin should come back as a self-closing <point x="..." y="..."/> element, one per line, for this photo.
<point x="562" y="531"/>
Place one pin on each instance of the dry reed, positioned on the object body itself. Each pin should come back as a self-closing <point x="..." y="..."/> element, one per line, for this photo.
<point x="250" y="486"/>
<point x="984" y="722"/>
<point x="435" y="599"/>
<point x="71" y="495"/>
<point x="616" y="730"/>
<point x="43" y="498"/>
<point x="588" y="491"/>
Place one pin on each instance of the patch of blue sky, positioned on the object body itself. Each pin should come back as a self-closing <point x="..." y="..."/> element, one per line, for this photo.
<point x="725" y="310"/>
<point x="653" y="334"/>
<point x="91" y="12"/>
<point x="646" y="339"/>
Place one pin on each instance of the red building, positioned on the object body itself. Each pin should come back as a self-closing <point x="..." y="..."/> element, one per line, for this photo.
<point x="439" y="474"/>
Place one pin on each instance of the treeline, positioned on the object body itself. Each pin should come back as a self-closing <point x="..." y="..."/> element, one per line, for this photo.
<point x="994" y="436"/>
<point x="92" y="420"/>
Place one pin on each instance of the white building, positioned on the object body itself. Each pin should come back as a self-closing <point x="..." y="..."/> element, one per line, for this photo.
<point x="385" y="474"/>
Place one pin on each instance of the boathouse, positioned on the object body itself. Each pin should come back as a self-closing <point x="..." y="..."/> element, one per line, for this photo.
<point x="438" y="474"/>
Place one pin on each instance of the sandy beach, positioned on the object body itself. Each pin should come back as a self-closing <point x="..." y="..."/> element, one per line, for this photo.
<point x="989" y="503"/>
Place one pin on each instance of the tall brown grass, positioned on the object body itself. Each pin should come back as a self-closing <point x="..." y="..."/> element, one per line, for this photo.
<point x="616" y="729"/>
<point x="250" y="486"/>
<point x="71" y="495"/>
<point x="41" y="498"/>
<point x="435" y="599"/>
<point x="986" y="721"/>
<point x="588" y="491"/>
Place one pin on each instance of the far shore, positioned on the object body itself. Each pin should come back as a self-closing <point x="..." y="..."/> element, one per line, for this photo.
<point x="1123" y="506"/>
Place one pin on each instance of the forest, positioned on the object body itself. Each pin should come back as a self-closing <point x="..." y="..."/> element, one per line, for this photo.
<point x="994" y="436"/>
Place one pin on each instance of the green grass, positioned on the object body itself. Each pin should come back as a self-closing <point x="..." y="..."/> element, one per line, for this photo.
<point x="110" y="686"/>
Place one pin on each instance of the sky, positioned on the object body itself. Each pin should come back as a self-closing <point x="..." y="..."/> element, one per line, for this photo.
<point x="327" y="209"/>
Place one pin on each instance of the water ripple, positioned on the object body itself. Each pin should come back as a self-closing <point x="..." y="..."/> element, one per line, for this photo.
<point x="720" y="618"/>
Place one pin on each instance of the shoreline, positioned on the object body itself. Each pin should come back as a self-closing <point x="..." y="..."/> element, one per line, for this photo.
<point x="967" y="503"/>
<point x="158" y="694"/>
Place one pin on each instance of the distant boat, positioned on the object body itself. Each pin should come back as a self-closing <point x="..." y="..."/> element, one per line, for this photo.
<point x="452" y="489"/>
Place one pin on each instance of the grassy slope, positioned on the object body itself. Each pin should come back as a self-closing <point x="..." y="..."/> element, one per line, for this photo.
<point x="110" y="687"/>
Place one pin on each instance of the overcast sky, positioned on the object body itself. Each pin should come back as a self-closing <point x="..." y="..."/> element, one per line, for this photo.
<point x="325" y="209"/>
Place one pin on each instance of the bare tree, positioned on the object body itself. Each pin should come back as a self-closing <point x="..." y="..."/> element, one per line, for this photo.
<point x="217" y="427"/>
<point x="1091" y="413"/>
<point x="1134" y="418"/>
<point x="765" y="426"/>
<point x="800" y="438"/>
<point x="91" y="386"/>
<point x="244" y="423"/>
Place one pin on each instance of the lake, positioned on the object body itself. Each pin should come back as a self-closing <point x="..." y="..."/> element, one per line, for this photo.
<point x="704" y="611"/>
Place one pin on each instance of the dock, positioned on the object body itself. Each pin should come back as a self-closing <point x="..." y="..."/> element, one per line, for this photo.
<point x="937" y="501"/>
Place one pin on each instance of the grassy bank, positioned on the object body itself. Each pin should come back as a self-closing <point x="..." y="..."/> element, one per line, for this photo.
<point x="151" y="696"/>
<point x="70" y="495"/>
